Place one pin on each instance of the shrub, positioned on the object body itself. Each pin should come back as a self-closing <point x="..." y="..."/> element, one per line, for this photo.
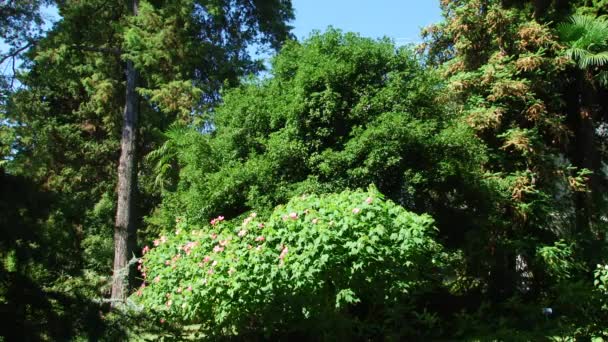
<point x="324" y="266"/>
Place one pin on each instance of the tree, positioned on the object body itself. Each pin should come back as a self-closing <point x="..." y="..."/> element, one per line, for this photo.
<point x="261" y="18"/>
<point x="66" y="127"/>
<point x="21" y="23"/>
<point x="586" y="39"/>
<point x="512" y="77"/>
<point x="339" y="111"/>
<point x="124" y="228"/>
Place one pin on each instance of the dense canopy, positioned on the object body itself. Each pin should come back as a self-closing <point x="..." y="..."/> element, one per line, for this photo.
<point x="156" y="185"/>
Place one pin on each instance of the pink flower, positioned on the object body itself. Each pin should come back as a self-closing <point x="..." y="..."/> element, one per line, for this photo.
<point x="156" y="242"/>
<point x="213" y="236"/>
<point x="207" y="259"/>
<point x="242" y="233"/>
<point x="169" y="303"/>
<point x="217" y="220"/>
<point x="283" y="253"/>
<point x="315" y="221"/>
<point x="260" y="238"/>
<point x="224" y="242"/>
<point x="218" y="249"/>
<point x="261" y="225"/>
<point x="145" y="250"/>
<point x="369" y="200"/>
<point x="189" y="246"/>
<point x="356" y="211"/>
<point x="162" y="320"/>
<point x="163" y="239"/>
<point x="293" y="216"/>
<point x="167" y="262"/>
<point x="138" y="293"/>
<point x="247" y="220"/>
<point x="189" y="288"/>
<point x="157" y="279"/>
<point x="143" y="274"/>
<point x="210" y="271"/>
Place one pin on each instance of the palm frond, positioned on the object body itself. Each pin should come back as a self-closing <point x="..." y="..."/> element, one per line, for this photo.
<point x="602" y="78"/>
<point x="163" y="156"/>
<point x="587" y="40"/>
<point x="570" y="32"/>
<point x="576" y="53"/>
<point x="590" y="31"/>
<point x="593" y="59"/>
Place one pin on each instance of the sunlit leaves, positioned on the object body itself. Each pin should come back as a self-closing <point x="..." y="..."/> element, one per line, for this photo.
<point x="310" y="262"/>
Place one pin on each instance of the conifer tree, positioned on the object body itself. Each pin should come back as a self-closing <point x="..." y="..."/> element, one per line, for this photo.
<point x="65" y="121"/>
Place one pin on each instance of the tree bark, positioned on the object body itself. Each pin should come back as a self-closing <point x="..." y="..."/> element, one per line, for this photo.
<point x="540" y="8"/>
<point x="586" y="152"/>
<point x="124" y="229"/>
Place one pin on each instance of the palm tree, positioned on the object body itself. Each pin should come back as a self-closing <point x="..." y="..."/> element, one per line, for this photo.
<point x="586" y="41"/>
<point x="586" y="38"/>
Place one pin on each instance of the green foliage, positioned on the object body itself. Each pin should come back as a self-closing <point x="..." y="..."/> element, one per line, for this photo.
<point x="587" y="40"/>
<point x="339" y="265"/>
<point x="512" y="77"/>
<point x="601" y="278"/>
<point x="497" y="131"/>
<point x="187" y="50"/>
<point x="339" y="111"/>
<point x="559" y="259"/>
<point x="60" y="129"/>
<point x="21" y="25"/>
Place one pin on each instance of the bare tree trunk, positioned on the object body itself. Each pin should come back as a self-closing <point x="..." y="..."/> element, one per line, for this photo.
<point x="540" y="8"/>
<point x="586" y="149"/>
<point x="124" y="229"/>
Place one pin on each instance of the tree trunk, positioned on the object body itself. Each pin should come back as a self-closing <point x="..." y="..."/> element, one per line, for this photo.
<point x="540" y="8"/>
<point x="585" y="149"/>
<point x="124" y="229"/>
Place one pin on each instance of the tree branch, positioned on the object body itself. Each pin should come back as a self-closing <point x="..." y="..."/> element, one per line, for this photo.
<point x="14" y="73"/>
<point x="14" y="53"/>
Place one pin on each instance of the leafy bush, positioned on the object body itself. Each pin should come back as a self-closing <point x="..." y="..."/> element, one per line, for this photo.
<point x="331" y="265"/>
<point x="338" y="111"/>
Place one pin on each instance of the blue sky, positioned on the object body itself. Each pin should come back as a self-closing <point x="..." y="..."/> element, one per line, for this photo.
<point x="400" y="20"/>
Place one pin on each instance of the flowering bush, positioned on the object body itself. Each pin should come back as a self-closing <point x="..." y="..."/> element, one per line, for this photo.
<point x="317" y="264"/>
